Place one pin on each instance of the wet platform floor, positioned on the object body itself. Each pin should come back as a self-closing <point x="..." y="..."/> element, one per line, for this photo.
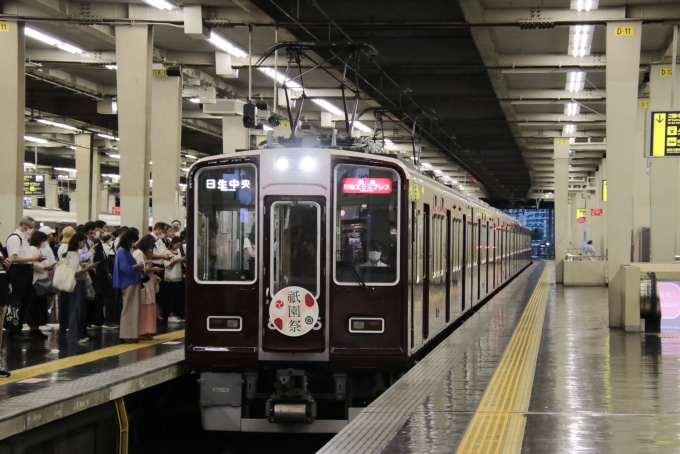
<point x="595" y="390"/>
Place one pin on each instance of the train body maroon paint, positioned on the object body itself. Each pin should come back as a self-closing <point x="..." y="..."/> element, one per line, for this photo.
<point x="315" y="277"/>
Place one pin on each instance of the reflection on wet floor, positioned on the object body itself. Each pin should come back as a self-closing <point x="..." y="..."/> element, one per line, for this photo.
<point x="603" y="391"/>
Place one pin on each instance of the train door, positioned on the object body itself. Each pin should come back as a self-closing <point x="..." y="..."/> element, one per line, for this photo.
<point x="448" y="265"/>
<point x="495" y="245"/>
<point x="426" y="270"/>
<point x="486" y="248"/>
<point x="464" y="263"/>
<point x="414" y="267"/>
<point x="479" y="260"/>
<point x="294" y="246"/>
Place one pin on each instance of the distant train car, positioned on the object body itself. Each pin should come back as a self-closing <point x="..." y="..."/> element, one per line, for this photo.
<point x="316" y="276"/>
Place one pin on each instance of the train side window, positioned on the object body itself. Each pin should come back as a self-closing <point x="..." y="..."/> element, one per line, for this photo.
<point x="226" y="225"/>
<point x="366" y="225"/>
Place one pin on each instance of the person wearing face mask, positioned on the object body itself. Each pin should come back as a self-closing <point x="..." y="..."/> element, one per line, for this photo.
<point x="36" y="311"/>
<point x="159" y="254"/>
<point x="374" y="254"/>
<point x="21" y="271"/>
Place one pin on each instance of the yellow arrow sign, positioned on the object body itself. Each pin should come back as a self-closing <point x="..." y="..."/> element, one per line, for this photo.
<point x="659" y="134"/>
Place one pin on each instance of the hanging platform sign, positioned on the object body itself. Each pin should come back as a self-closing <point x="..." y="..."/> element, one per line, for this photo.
<point x="596" y="211"/>
<point x="34" y="185"/>
<point x="665" y="140"/>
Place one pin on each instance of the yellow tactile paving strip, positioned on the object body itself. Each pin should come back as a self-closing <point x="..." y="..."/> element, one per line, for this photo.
<point x="53" y="366"/>
<point x="498" y="424"/>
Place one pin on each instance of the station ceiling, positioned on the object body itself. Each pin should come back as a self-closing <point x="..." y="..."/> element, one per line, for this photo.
<point x="491" y="75"/>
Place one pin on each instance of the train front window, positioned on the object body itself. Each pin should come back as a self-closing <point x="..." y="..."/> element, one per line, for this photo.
<point x="366" y="225"/>
<point x="226" y="229"/>
<point x="296" y="247"/>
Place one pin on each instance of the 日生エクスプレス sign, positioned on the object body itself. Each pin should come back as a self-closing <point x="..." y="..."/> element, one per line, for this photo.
<point x="366" y="185"/>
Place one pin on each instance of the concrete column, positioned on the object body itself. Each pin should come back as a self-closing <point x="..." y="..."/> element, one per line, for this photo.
<point x="604" y="204"/>
<point x="134" y="52"/>
<point x="623" y="71"/>
<point x="664" y="178"/>
<point x="234" y="135"/>
<point x="562" y="211"/>
<point x="577" y="202"/>
<point x="641" y="201"/>
<point x="104" y="201"/>
<point x="166" y="137"/>
<point x="87" y="180"/>
<point x="51" y="193"/>
<point x="12" y="100"/>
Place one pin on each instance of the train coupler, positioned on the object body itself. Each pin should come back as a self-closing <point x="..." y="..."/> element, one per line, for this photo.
<point x="291" y="401"/>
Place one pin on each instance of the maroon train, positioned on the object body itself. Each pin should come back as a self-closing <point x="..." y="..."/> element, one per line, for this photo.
<point x="316" y="276"/>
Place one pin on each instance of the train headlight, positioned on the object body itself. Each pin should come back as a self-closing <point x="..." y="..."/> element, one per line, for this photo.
<point x="282" y="164"/>
<point x="307" y="164"/>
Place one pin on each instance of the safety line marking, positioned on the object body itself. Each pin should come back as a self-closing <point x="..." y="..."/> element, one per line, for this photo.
<point x="498" y="424"/>
<point x="59" y="364"/>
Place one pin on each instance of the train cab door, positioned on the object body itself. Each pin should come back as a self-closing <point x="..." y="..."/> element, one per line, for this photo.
<point x="294" y="302"/>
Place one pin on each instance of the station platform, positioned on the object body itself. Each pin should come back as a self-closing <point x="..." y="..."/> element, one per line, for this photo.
<point x="535" y="370"/>
<point x="53" y="379"/>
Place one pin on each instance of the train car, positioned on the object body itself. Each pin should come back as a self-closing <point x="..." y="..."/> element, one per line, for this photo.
<point x="317" y="276"/>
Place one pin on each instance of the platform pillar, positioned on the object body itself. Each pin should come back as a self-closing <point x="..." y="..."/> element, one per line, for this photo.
<point x="12" y="100"/>
<point x="664" y="178"/>
<point x="623" y="71"/>
<point x="562" y="207"/>
<point x="166" y="144"/>
<point x="641" y="202"/>
<point x="134" y="52"/>
<point x="87" y="180"/>
<point x="234" y="135"/>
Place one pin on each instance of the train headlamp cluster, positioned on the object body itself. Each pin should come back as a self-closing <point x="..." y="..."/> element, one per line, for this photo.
<point x="295" y="164"/>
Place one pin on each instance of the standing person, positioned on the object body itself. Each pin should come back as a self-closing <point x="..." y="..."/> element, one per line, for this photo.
<point x="177" y="224"/>
<point x="49" y="252"/>
<point x="127" y="277"/>
<point x="62" y="298"/>
<point x="590" y="251"/>
<point x="159" y="254"/>
<point x="147" y="316"/>
<point x="36" y="311"/>
<point x="104" y="282"/>
<point x="122" y="229"/>
<point x="77" y="332"/>
<point x="174" y="281"/>
<point x="21" y="271"/>
<point x="4" y="296"/>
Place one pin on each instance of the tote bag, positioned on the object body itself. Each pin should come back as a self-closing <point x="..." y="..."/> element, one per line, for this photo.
<point x="64" y="277"/>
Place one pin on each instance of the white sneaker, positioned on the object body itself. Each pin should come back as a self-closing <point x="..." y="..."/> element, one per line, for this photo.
<point x="46" y="328"/>
<point x="174" y="320"/>
<point x="84" y="340"/>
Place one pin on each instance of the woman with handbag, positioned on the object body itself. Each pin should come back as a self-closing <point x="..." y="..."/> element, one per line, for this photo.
<point x="70" y="261"/>
<point x="36" y="311"/>
<point x="127" y="277"/>
<point x="147" y="315"/>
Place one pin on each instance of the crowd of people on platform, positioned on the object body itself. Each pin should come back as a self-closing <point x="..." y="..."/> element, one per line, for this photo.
<point x="92" y="277"/>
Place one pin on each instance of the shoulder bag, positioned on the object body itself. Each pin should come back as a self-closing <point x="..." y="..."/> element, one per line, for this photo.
<point x="64" y="277"/>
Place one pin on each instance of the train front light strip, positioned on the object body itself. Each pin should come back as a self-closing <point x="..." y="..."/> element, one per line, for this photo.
<point x="366" y="325"/>
<point x="225" y="323"/>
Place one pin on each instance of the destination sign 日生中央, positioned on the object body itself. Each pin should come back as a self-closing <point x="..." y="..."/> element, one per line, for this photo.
<point x="665" y="134"/>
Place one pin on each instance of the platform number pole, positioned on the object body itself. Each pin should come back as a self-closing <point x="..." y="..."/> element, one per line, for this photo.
<point x="123" y="426"/>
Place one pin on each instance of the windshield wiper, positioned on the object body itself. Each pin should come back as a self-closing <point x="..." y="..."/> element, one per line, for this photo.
<point x="352" y="271"/>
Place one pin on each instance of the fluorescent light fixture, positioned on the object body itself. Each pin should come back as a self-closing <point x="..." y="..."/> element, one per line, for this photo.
<point x="195" y="99"/>
<point x="446" y="177"/>
<point x="34" y="139"/>
<point x="437" y="171"/>
<point x="111" y="66"/>
<point x="114" y="155"/>
<point x="28" y="164"/>
<point x="280" y="78"/>
<point x="65" y="169"/>
<point x="58" y="125"/>
<point x="110" y="175"/>
<point x="221" y="43"/>
<point x="106" y="136"/>
<point x="328" y="106"/>
<point x="71" y="147"/>
<point x="190" y="156"/>
<point x="51" y="41"/>
<point x="572" y="108"/>
<point x="362" y="127"/>
<point x="114" y="106"/>
<point x="426" y="164"/>
<point x="569" y="129"/>
<point x="454" y="181"/>
<point x="266" y="127"/>
<point x="576" y="80"/>
<point x="580" y="40"/>
<point x="160" y="4"/>
<point x="388" y="141"/>
<point x="587" y="5"/>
